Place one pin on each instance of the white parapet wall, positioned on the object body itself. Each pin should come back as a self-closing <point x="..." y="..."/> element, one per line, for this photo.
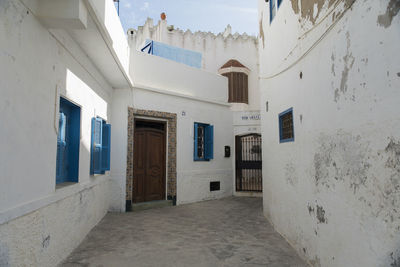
<point x="216" y="50"/>
<point x="334" y="192"/>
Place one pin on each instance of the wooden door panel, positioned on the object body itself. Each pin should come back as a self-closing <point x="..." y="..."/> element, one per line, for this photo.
<point x="155" y="164"/>
<point x="149" y="165"/>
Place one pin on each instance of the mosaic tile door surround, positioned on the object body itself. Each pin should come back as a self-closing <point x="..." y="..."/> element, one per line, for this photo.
<point x="171" y="146"/>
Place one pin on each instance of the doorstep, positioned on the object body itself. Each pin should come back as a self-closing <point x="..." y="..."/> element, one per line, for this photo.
<point x="151" y="205"/>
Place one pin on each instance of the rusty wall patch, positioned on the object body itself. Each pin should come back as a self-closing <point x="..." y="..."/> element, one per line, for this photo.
<point x="295" y="6"/>
<point x="385" y="20"/>
<point x="311" y="9"/>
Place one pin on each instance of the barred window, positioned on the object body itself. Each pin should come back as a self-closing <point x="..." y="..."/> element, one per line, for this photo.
<point x="286" y="129"/>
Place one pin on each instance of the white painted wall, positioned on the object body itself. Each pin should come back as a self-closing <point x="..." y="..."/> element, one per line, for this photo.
<point x="168" y="86"/>
<point x="216" y="51"/>
<point x="334" y="192"/>
<point x="194" y="177"/>
<point x="156" y="72"/>
<point x="37" y="67"/>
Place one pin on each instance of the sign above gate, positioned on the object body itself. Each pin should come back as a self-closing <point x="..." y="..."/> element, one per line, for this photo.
<point x="246" y="118"/>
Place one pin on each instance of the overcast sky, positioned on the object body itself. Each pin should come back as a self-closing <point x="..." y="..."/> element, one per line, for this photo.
<point x="203" y="15"/>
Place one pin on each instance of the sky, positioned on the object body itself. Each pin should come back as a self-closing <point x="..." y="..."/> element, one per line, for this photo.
<point x="196" y="15"/>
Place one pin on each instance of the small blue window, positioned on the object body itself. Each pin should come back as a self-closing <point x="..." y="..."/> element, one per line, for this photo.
<point x="68" y="139"/>
<point x="203" y="142"/>
<point x="279" y="3"/>
<point x="286" y="127"/>
<point x="100" y="147"/>
<point x="272" y="10"/>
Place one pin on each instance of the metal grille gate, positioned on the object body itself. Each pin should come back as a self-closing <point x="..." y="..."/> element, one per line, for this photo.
<point x="248" y="163"/>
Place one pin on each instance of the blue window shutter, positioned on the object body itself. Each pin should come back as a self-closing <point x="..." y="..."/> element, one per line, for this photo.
<point x="96" y="146"/>
<point x="195" y="154"/>
<point x="209" y="142"/>
<point x="106" y="147"/>
<point x="272" y="10"/>
<point x="60" y="147"/>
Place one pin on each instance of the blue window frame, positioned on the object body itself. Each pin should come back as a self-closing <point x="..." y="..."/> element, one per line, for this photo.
<point x="272" y="10"/>
<point x="286" y="127"/>
<point x="203" y="142"/>
<point x="100" y="146"/>
<point x="68" y="139"/>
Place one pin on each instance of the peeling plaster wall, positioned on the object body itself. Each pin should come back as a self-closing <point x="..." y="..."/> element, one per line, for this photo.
<point x="35" y="70"/>
<point x="334" y="192"/>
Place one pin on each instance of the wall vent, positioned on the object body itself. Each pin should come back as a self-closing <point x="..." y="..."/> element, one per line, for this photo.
<point x="215" y="186"/>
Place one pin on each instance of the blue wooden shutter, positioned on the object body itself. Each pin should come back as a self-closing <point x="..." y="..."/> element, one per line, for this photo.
<point x="96" y="146"/>
<point x="60" y="147"/>
<point x="195" y="134"/>
<point x="209" y="142"/>
<point x="106" y="147"/>
<point x="272" y="10"/>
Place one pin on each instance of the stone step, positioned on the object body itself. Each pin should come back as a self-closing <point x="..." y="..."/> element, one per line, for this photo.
<point x="151" y="205"/>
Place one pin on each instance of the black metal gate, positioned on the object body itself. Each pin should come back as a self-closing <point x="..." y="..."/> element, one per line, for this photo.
<point x="248" y="163"/>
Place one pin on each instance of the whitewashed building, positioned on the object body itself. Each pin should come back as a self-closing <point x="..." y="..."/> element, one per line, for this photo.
<point x="329" y="82"/>
<point x="83" y="109"/>
<point x="234" y="56"/>
<point x="78" y="110"/>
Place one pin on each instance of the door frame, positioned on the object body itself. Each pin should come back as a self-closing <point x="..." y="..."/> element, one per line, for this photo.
<point x="171" y="151"/>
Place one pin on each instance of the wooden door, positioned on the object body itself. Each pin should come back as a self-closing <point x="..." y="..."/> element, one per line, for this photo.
<point x="149" y="165"/>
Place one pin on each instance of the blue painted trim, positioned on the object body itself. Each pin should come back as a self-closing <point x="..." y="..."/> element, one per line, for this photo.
<point x="144" y="48"/>
<point x="209" y="154"/>
<point x="68" y="169"/>
<point x="271" y="7"/>
<point x="195" y="157"/>
<point x="280" y="126"/>
<point x="106" y="147"/>
<point x="209" y="142"/>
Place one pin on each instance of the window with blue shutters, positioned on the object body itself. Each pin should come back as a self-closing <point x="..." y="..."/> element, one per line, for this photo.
<point x="68" y="139"/>
<point x="203" y="142"/>
<point x="286" y="127"/>
<point x="100" y="146"/>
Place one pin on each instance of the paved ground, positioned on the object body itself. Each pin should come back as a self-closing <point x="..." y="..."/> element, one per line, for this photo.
<point x="227" y="232"/>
